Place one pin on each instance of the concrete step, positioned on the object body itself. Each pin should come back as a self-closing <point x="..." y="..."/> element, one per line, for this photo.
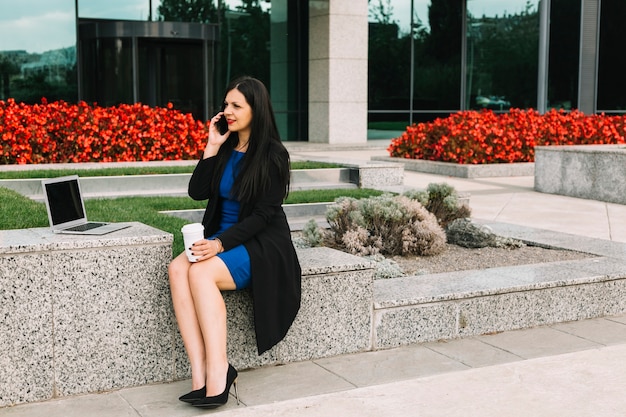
<point x="174" y="184"/>
<point x="468" y="303"/>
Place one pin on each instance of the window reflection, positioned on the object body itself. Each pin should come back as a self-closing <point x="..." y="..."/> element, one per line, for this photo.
<point x="564" y="54"/>
<point x="502" y="54"/>
<point x="611" y="62"/>
<point x="410" y="72"/>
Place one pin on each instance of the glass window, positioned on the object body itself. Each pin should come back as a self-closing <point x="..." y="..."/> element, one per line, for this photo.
<point x="564" y="54"/>
<point x="170" y="72"/>
<point x="437" y="63"/>
<point x="108" y="68"/>
<point x="411" y="75"/>
<point x="502" y="54"/>
<point x="37" y="50"/>
<point x="611" y="59"/>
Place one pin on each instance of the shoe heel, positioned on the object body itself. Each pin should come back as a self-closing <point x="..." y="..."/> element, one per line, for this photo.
<point x="236" y="392"/>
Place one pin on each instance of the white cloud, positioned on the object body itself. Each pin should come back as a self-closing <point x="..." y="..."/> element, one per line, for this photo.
<point x="39" y="33"/>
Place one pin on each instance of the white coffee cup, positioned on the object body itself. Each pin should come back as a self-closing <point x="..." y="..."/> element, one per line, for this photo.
<point x="192" y="233"/>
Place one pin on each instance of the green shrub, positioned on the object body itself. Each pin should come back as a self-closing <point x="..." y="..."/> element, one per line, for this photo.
<point x="386" y="224"/>
<point x="442" y="200"/>
<point x="312" y="234"/>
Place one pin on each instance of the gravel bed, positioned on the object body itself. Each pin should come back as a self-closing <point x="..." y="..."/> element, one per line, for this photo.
<point x="457" y="258"/>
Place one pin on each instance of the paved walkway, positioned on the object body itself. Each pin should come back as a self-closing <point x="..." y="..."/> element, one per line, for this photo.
<point x="569" y="369"/>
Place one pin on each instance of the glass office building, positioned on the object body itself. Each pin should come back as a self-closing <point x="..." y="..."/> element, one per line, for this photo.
<point x="155" y="52"/>
<point x="424" y="58"/>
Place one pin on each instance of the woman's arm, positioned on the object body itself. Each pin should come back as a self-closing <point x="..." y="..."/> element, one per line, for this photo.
<point x="200" y="182"/>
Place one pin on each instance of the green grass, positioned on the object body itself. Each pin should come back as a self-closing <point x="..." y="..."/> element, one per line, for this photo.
<point x="146" y="170"/>
<point x="318" y="196"/>
<point x="19" y="212"/>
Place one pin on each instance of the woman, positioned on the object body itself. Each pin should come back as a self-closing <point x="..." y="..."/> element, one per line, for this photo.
<point x="244" y="173"/>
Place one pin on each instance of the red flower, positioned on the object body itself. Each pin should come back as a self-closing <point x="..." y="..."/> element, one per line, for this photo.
<point x="61" y="132"/>
<point x="472" y="137"/>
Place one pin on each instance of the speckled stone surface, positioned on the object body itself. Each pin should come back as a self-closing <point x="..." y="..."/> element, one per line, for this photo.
<point x="534" y="308"/>
<point x="112" y="319"/>
<point x="568" y="241"/>
<point x="381" y="175"/>
<point x="467" y="303"/>
<point x="335" y="316"/>
<point x="416" y="324"/>
<point x="26" y="323"/>
<point x="83" y="313"/>
<point x="594" y="172"/>
<point x="86" y="314"/>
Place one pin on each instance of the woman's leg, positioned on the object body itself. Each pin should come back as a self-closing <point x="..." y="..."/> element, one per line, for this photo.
<point x="187" y="320"/>
<point x="206" y="281"/>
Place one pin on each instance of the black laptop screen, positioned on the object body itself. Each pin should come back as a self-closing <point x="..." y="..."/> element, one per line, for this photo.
<point x="64" y="201"/>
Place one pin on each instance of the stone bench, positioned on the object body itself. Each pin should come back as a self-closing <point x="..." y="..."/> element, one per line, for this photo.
<point x="594" y="172"/>
<point x="466" y="303"/>
<point x="87" y="314"/>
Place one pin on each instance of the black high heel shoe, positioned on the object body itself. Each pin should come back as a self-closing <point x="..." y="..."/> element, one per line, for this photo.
<point x="193" y="396"/>
<point x="221" y="399"/>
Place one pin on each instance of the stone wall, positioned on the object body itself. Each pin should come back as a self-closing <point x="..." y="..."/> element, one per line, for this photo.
<point x="93" y="313"/>
<point x="594" y="172"/>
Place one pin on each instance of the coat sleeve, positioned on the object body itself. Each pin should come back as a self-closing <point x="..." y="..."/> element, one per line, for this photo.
<point x="200" y="182"/>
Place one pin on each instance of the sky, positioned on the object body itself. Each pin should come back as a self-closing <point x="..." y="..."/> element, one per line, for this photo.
<point x="50" y="24"/>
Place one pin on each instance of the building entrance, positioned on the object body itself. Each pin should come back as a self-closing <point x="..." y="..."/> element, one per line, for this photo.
<point x="153" y="63"/>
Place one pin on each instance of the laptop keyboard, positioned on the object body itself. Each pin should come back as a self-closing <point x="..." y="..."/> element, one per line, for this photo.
<point x="84" y="227"/>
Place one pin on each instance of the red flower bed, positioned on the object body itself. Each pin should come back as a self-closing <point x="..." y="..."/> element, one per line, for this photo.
<point x="472" y="137"/>
<point x="61" y="132"/>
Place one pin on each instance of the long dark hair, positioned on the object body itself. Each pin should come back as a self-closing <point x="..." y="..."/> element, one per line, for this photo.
<point x="264" y="147"/>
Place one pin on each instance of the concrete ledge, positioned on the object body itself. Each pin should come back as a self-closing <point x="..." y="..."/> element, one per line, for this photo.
<point x="93" y="313"/>
<point x="83" y="314"/>
<point x="335" y="316"/>
<point x="594" y="172"/>
<point x="466" y="303"/>
<point x="521" y="169"/>
<point x="88" y="314"/>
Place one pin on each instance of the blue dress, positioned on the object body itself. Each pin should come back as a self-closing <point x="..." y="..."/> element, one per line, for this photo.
<point x="237" y="259"/>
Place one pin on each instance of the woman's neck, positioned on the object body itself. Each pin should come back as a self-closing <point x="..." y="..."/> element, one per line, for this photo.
<point x="244" y="138"/>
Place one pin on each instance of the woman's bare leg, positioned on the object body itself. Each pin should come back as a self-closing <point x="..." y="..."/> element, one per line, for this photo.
<point x="206" y="281"/>
<point x="187" y="320"/>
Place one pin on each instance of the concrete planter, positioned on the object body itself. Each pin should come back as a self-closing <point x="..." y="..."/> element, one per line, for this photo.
<point x="594" y="172"/>
<point x="521" y="169"/>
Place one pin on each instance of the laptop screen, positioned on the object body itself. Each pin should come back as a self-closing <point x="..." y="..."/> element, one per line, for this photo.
<point x="64" y="201"/>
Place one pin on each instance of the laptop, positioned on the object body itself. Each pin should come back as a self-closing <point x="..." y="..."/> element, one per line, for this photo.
<point x="66" y="209"/>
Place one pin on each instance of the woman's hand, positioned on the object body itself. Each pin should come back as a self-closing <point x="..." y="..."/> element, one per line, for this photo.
<point x="215" y="138"/>
<point x="205" y="249"/>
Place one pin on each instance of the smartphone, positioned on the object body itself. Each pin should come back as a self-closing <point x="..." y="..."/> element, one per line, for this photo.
<point x="222" y="125"/>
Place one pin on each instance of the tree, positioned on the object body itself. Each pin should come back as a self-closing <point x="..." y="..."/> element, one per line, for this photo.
<point x="7" y="68"/>
<point x="200" y="11"/>
<point x="446" y="22"/>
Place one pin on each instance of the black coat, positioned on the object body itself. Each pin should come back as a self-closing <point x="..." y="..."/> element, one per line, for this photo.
<point x="263" y="229"/>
